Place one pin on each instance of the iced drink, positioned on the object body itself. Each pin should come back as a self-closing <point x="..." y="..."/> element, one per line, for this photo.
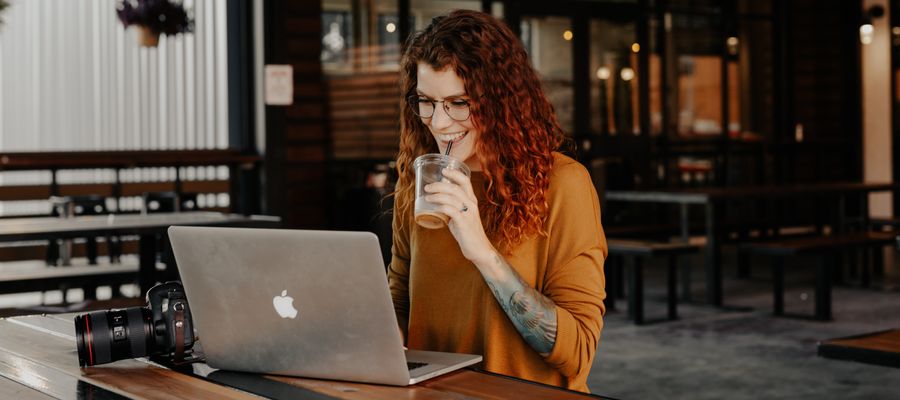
<point x="429" y="169"/>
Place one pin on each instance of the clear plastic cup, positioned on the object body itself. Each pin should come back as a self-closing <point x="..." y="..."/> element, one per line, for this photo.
<point x="429" y="169"/>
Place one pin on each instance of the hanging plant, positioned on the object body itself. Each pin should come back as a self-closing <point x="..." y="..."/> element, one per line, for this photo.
<point x="154" y="17"/>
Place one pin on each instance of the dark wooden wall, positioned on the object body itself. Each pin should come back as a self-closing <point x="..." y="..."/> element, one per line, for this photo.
<point x="826" y="91"/>
<point x="297" y="137"/>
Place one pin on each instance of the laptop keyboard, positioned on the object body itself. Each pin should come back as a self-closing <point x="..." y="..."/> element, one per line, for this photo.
<point x="413" y="365"/>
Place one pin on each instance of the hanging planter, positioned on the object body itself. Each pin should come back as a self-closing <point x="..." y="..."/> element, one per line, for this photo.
<point x="146" y="36"/>
<point x="153" y="18"/>
<point x="3" y="5"/>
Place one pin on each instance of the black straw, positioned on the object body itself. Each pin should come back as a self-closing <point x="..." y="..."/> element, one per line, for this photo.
<point x="449" y="145"/>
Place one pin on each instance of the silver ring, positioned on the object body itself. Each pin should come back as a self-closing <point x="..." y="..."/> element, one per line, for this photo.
<point x="464" y="208"/>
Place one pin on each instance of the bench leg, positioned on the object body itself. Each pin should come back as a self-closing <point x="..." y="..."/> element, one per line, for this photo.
<point x="636" y="290"/>
<point x="619" y="281"/>
<point x="823" y="288"/>
<point x="877" y="262"/>
<point x="609" y="267"/>
<point x="672" y="287"/>
<point x="743" y="264"/>
<point x="837" y="273"/>
<point x="865" y="278"/>
<point x="686" y="282"/>
<point x="778" y="285"/>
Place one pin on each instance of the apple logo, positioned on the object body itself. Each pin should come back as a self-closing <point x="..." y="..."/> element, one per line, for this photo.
<point x="284" y="305"/>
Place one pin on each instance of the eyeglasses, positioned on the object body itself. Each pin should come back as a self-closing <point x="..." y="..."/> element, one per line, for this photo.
<point x="457" y="109"/>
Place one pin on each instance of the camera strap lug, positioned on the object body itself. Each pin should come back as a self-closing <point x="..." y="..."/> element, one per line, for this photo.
<point x="179" y="332"/>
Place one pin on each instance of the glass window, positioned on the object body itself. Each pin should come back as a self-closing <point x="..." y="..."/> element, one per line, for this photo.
<point x="549" y="43"/>
<point x="755" y="81"/>
<point x="694" y="43"/>
<point x="360" y="36"/>
<point x="422" y="11"/>
<point x="614" y="84"/>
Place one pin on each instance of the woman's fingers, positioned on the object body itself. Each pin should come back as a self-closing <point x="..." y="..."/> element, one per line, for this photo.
<point x="448" y="199"/>
<point x="460" y="179"/>
<point x="449" y="188"/>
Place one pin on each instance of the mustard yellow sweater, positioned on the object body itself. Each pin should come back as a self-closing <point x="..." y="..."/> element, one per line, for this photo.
<point x="450" y="307"/>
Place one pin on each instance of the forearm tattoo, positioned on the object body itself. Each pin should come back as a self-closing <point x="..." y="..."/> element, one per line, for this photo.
<point x="532" y="313"/>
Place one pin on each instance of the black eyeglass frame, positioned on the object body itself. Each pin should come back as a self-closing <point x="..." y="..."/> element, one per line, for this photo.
<point x="414" y="100"/>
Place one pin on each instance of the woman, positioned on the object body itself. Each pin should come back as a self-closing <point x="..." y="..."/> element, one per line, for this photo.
<point x="517" y="275"/>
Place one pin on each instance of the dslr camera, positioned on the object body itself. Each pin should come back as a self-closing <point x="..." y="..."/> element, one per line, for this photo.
<point x="161" y="328"/>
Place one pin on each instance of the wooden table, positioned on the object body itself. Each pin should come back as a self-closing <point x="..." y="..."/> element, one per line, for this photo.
<point x="146" y="226"/>
<point x="712" y="199"/>
<point x="880" y="348"/>
<point x="38" y="360"/>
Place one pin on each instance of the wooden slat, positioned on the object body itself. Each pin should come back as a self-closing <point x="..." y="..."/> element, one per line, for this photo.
<point x="382" y="122"/>
<point x="376" y="111"/>
<point x="42" y="192"/>
<point x="122" y="159"/>
<point x="38" y="272"/>
<point x="205" y="186"/>
<point x="39" y="251"/>
<point x="388" y="93"/>
<point x="86" y="189"/>
<point x="24" y="192"/>
<point x="365" y="115"/>
<point x="138" y="189"/>
<point x="364" y="102"/>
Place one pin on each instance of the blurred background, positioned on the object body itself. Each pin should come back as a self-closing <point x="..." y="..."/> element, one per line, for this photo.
<point x="290" y="109"/>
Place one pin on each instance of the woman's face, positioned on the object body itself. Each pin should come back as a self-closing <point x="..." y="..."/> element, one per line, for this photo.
<point x="445" y="85"/>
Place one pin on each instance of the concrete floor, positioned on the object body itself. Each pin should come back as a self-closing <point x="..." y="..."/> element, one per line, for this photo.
<point x="720" y="354"/>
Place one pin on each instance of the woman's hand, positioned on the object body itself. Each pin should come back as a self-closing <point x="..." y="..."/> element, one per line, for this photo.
<point x="456" y="199"/>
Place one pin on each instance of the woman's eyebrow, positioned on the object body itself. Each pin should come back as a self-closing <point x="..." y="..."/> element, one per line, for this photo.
<point x="452" y="96"/>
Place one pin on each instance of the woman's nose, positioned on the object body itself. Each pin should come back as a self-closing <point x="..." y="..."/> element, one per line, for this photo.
<point x="440" y="119"/>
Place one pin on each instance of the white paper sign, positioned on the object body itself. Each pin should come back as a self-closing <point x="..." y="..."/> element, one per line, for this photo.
<point x="279" y="85"/>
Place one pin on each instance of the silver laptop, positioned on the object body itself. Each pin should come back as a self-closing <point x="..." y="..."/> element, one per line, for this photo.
<point x="302" y="303"/>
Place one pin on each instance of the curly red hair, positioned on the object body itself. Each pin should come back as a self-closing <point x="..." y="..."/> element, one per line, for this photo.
<point x="519" y="130"/>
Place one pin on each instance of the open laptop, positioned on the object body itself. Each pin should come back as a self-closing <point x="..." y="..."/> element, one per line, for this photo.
<point x="302" y="303"/>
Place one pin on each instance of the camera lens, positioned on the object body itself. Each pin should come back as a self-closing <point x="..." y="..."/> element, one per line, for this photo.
<point x="107" y="336"/>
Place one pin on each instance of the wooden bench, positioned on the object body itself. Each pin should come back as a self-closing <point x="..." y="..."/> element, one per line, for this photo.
<point x="35" y="276"/>
<point x="825" y="246"/>
<point x="636" y="250"/>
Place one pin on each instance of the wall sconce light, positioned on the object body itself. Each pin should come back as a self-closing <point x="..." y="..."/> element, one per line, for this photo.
<point x="626" y="74"/>
<point x="732" y="44"/>
<point x="866" y="30"/>
<point x="603" y="73"/>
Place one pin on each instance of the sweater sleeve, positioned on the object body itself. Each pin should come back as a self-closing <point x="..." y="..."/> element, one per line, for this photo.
<point x="574" y="277"/>
<point x="398" y="270"/>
